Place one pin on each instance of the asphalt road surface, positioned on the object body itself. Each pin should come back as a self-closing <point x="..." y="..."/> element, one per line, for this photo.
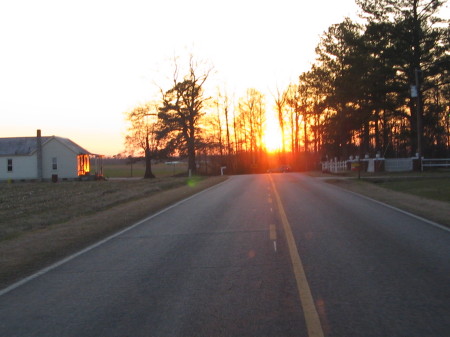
<point x="258" y="255"/>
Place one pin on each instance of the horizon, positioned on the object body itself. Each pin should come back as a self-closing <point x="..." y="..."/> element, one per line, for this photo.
<point x="73" y="72"/>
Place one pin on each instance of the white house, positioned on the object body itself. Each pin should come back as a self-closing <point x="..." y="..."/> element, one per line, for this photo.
<point x="46" y="158"/>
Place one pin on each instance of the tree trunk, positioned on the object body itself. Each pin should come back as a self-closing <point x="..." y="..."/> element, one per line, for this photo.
<point x="228" y="132"/>
<point x="305" y="133"/>
<point x="297" y="133"/>
<point x="192" y="166"/>
<point x="366" y="137"/>
<point x="148" y="164"/>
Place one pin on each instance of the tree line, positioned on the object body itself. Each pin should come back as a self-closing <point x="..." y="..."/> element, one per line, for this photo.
<point x="211" y="132"/>
<point x="378" y="86"/>
<point x="381" y="86"/>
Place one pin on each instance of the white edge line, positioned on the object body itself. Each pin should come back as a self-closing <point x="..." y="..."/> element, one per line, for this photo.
<point x="435" y="224"/>
<point x="98" y="244"/>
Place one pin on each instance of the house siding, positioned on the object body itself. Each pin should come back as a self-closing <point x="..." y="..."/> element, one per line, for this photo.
<point x="25" y="164"/>
<point x="66" y="159"/>
<point x="24" y="167"/>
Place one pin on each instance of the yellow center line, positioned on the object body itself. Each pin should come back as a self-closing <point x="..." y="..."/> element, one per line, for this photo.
<point x="272" y="232"/>
<point x="309" y="309"/>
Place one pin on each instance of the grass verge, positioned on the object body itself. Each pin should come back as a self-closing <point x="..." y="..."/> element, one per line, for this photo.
<point x="437" y="189"/>
<point x="428" y="205"/>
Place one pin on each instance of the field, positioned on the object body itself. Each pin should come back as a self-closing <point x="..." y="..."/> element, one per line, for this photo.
<point x="121" y="169"/>
<point x="30" y="206"/>
<point x="43" y="222"/>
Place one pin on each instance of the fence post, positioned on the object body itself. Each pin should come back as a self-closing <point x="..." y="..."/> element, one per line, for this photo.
<point x="359" y="168"/>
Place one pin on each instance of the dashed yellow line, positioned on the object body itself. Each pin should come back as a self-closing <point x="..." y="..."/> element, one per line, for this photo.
<point x="273" y="236"/>
<point x="312" y="319"/>
<point x="272" y="232"/>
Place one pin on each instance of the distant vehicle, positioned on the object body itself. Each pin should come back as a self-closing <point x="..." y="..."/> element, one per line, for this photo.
<point x="281" y="169"/>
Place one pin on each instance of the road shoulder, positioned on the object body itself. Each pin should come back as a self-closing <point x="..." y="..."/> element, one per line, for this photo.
<point x="37" y="249"/>
<point x="434" y="210"/>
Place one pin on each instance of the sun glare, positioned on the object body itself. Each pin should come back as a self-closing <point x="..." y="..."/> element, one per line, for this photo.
<point x="272" y="136"/>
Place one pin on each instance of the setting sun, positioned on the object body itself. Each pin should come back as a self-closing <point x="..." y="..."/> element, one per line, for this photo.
<point x="272" y="136"/>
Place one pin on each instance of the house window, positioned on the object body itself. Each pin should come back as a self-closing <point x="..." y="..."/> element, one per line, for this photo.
<point x="10" y="165"/>
<point x="54" y="163"/>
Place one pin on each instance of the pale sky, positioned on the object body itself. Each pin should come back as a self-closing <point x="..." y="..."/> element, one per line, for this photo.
<point x="72" y="68"/>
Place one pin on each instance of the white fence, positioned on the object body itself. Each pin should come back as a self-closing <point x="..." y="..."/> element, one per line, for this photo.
<point x="390" y="165"/>
<point x="435" y="163"/>
<point x="334" y="166"/>
<point x="398" y="164"/>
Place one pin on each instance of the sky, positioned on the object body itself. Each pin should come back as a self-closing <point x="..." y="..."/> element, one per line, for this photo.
<point x="72" y="68"/>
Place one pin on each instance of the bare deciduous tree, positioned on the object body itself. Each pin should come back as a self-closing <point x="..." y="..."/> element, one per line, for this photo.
<point x="142" y="133"/>
<point x="181" y="111"/>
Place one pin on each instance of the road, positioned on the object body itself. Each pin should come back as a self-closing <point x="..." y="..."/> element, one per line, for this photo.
<point x="258" y="255"/>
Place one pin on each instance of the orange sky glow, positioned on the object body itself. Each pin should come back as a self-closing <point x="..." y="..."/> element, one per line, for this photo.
<point x="72" y="69"/>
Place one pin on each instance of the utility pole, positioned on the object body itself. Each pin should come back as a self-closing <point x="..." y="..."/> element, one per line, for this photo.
<point x="417" y="73"/>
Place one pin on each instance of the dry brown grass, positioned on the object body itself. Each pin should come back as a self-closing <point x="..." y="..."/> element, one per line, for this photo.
<point x="42" y="222"/>
<point x="31" y="206"/>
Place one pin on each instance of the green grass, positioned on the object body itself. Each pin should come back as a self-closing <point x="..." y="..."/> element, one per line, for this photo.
<point x="437" y="189"/>
<point x="431" y="184"/>
<point x="138" y="169"/>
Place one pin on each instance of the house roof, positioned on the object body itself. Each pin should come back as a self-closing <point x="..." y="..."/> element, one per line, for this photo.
<point x="28" y="145"/>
